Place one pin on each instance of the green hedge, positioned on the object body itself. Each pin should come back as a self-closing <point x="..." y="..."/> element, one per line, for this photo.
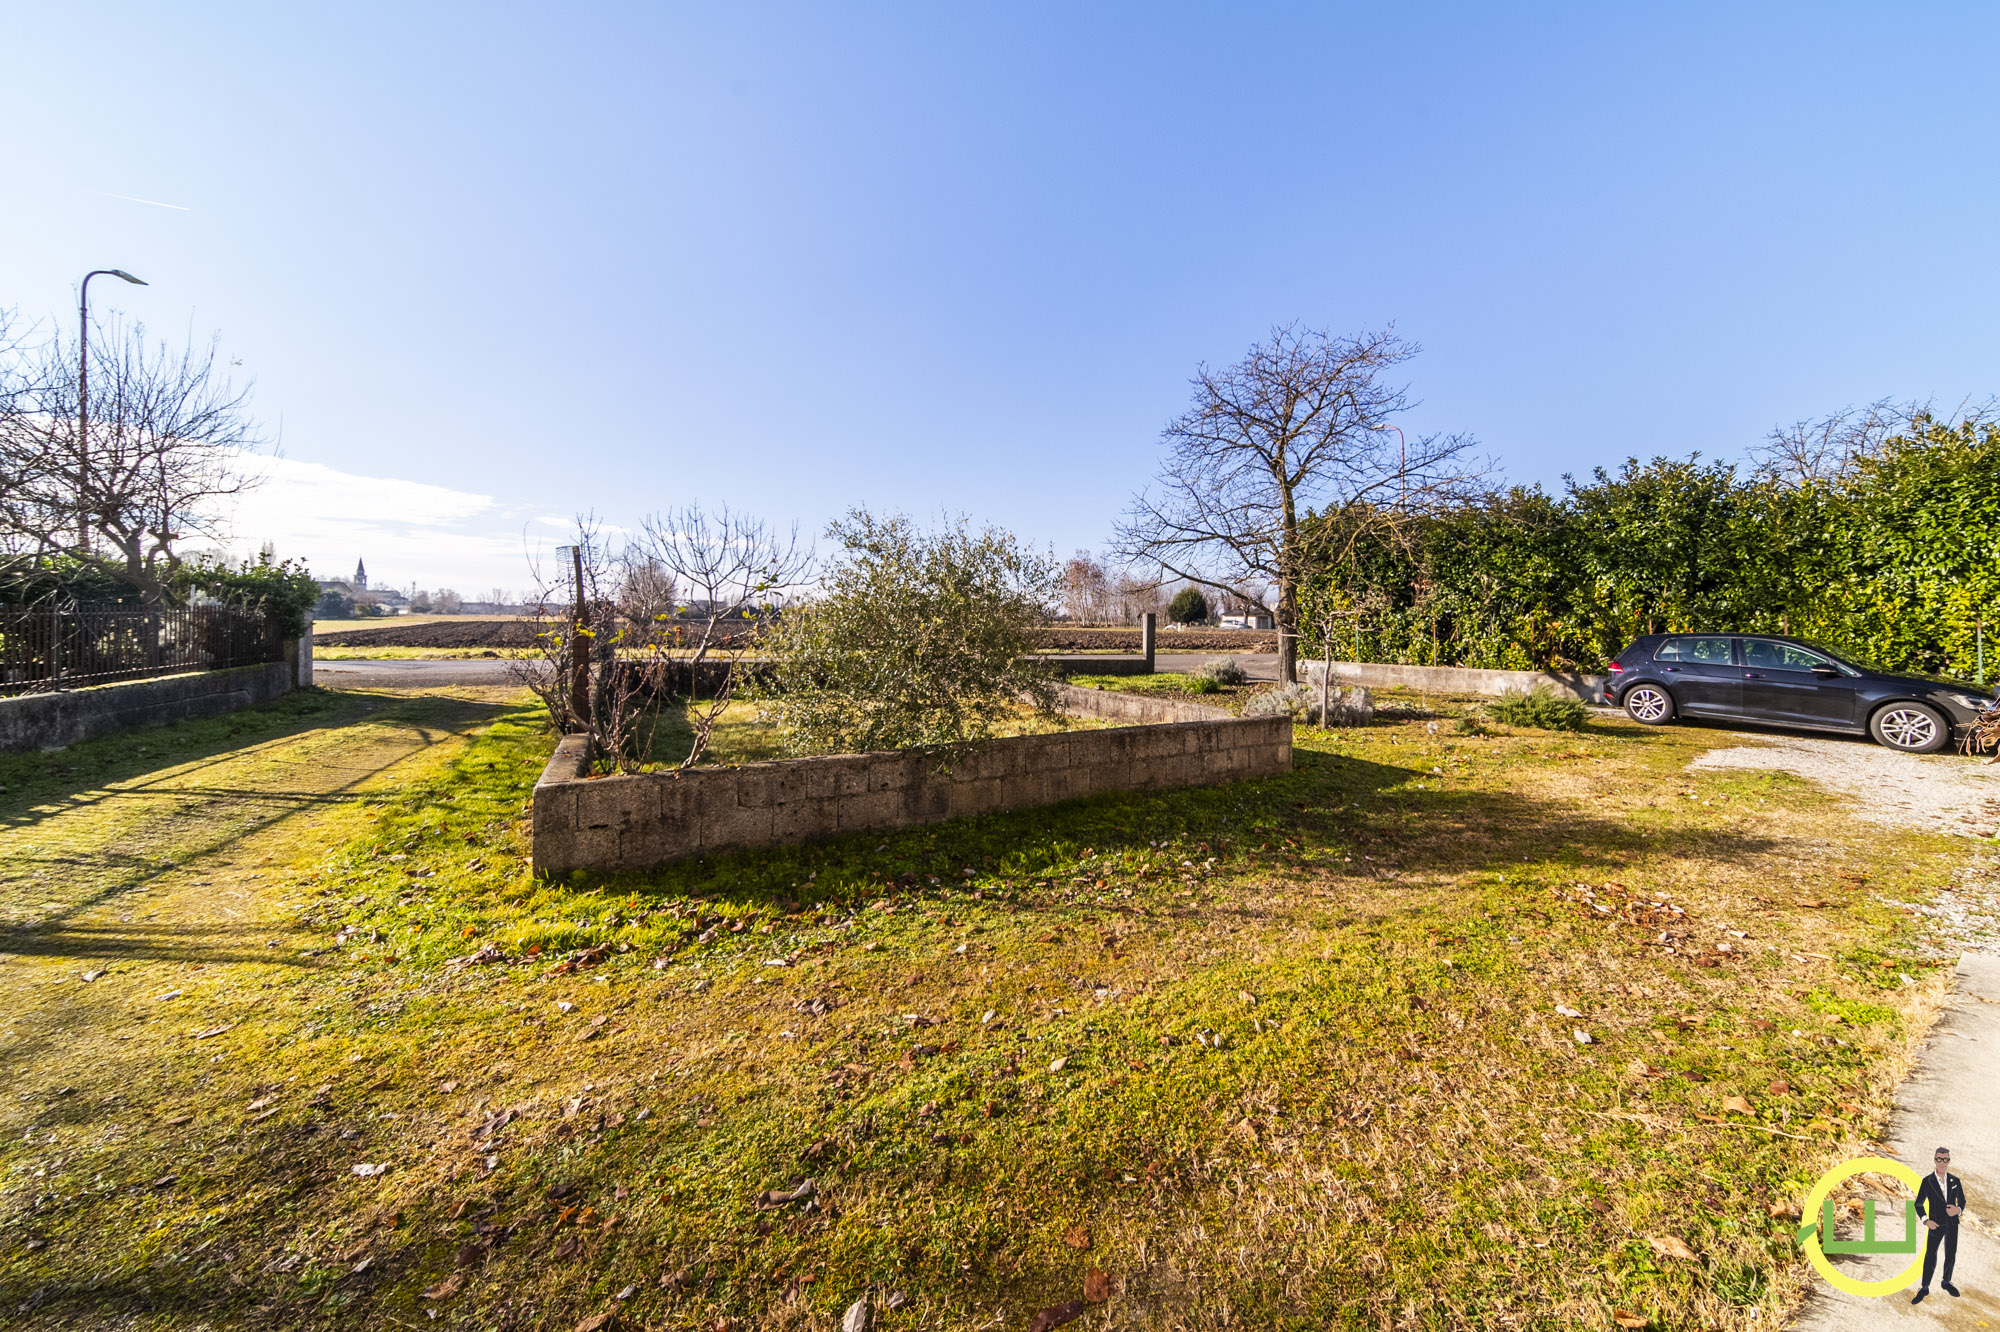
<point x="1896" y="561"/>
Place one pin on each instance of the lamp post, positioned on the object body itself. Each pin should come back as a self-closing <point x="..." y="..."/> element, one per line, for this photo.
<point x="1402" y="466"/>
<point x="579" y="647"/>
<point x="83" y="399"/>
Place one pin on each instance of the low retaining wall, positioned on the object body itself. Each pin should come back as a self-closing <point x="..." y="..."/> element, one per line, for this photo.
<point x="1093" y="665"/>
<point x="1078" y="701"/>
<point x="1453" y="679"/>
<point x="650" y="819"/>
<point x="50" y="721"/>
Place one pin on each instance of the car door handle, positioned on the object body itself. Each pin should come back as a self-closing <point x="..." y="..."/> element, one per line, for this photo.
<point x="1670" y="668"/>
<point x="1752" y="675"/>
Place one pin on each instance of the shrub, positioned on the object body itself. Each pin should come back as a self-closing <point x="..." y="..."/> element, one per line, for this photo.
<point x="1189" y="606"/>
<point x="1201" y="684"/>
<point x="1348" y="707"/>
<point x="284" y="591"/>
<point x="1540" y="707"/>
<point x="1222" y="671"/>
<point x="1287" y="700"/>
<point x="917" y="640"/>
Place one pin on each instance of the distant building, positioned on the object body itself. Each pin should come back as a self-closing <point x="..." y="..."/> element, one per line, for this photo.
<point x="1248" y="620"/>
<point x="356" y="589"/>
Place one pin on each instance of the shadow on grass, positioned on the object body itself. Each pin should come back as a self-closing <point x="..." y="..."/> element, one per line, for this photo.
<point x="204" y="942"/>
<point x="154" y="766"/>
<point x="1352" y="819"/>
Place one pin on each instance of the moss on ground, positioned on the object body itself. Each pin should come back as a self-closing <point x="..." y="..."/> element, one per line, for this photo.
<point x="1290" y="1053"/>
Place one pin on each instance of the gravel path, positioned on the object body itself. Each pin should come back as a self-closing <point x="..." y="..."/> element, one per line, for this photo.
<point x="1937" y="793"/>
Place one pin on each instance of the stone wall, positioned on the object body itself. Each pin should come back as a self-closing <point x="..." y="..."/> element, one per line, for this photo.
<point x="648" y="819"/>
<point x="1453" y="679"/>
<point x="51" y="721"/>
<point x="1142" y="708"/>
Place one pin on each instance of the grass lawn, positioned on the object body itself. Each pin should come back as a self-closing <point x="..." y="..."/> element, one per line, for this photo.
<point x="1286" y="1054"/>
<point x="740" y="736"/>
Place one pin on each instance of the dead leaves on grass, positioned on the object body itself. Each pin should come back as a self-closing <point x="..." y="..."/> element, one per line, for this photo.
<point x="1671" y="1246"/>
<point x="1056" y="1315"/>
<point x="446" y="1288"/>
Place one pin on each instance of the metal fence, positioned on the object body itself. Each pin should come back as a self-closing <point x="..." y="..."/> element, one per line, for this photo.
<point x="66" y="647"/>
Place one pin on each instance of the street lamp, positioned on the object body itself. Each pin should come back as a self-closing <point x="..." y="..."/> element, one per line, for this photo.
<point x="1402" y="466"/>
<point x="83" y="399"/>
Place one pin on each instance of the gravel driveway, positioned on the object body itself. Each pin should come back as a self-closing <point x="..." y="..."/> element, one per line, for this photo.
<point x="1937" y="792"/>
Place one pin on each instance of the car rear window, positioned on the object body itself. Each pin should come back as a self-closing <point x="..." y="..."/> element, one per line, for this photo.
<point x="1706" y="651"/>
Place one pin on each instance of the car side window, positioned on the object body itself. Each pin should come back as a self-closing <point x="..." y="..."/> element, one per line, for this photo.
<point x="1707" y="651"/>
<point x="1780" y="656"/>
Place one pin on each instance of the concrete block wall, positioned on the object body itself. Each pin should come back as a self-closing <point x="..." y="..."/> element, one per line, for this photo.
<point x="53" y="720"/>
<point x="1081" y="702"/>
<point x="1453" y="679"/>
<point x="649" y="819"/>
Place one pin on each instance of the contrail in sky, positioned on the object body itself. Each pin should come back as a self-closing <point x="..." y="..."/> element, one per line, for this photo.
<point x="154" y="202"/>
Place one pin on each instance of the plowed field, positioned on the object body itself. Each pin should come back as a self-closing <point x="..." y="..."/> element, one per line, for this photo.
<point x="437" y="634"/>
<point x="521" y="634"/>
<point x="1170" y="640"/>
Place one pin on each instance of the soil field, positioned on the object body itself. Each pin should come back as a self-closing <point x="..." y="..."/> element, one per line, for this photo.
<point x="1170" y="640"/>
<point x="436" y="634"/>
<point x="521" y="634"/>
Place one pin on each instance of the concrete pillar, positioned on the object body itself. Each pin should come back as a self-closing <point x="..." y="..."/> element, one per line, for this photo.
<point x="302" y="662"/>
<point x="1148" y="626"/>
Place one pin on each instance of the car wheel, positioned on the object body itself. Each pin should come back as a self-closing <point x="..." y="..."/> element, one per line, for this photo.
<point x="1649" y="705"/>
<point x="1910" y="727"/>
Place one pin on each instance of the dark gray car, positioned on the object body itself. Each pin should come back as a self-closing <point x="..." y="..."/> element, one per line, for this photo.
<point x="1779" y="681"/>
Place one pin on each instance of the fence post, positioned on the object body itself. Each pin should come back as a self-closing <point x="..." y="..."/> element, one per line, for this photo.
<point x="55" y="647"/>
<point x="1148" y="628"/>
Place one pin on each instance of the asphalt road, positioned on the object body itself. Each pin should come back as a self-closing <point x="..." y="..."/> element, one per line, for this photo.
<point x="411" y="673"/>
<point x="1257" y="665"/>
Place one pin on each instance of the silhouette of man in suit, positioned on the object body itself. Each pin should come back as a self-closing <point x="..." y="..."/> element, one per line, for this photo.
<point x="1939" y="1202"/>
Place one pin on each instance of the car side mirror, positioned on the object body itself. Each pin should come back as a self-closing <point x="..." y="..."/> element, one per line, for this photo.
<point x="1825" y="672"/>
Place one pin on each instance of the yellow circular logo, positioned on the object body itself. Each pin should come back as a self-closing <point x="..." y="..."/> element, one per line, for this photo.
<point x="1813" y="1243"/>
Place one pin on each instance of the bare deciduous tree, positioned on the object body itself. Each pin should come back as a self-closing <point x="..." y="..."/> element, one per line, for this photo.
<point x="1300" y="425"/>
<point x="170" y="439"/>
<point x="1822" y="451"/>
<point x="1086" y="589"/>
<point x="731" y="570"/>
<point x="562" y="615"/>
<point x="1131" y="598"/>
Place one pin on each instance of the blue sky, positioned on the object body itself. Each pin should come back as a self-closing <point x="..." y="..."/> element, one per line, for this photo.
<point x="523" y="261"/>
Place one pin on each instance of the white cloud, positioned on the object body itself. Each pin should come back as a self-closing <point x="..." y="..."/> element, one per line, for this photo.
<point x="407" y="531"/>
